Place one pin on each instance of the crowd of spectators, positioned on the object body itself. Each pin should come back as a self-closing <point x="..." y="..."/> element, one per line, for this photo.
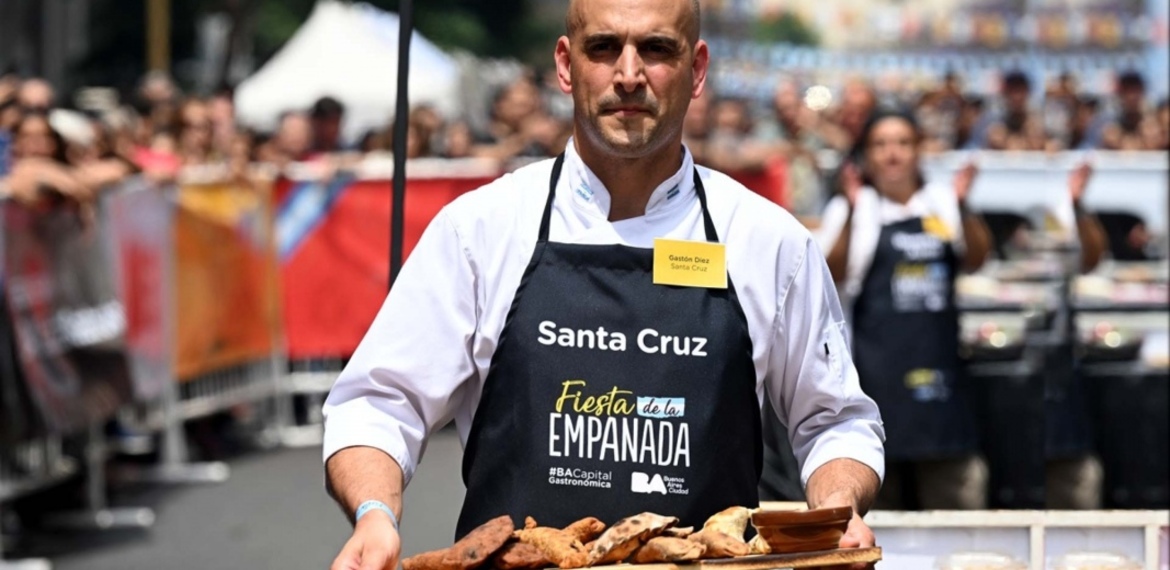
<point x="159" y="130"/>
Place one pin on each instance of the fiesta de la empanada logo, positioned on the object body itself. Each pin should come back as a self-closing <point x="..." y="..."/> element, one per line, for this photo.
<point x="618" y="426"/>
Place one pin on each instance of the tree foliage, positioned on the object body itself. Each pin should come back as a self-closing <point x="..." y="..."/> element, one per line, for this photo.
<point x="784" y="27"/>
<point x="117" y="56"/>
<point x="496" y="28"/>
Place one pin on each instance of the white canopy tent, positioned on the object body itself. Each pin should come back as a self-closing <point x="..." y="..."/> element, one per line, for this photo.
<point x="350" y="52"/>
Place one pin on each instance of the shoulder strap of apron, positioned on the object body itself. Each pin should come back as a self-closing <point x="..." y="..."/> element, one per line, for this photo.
<point x="558" y="164"/>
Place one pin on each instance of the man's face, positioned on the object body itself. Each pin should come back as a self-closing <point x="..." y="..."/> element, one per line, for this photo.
<point x="295" y="135"/>
<point x="1015" y="98"/>
<point x="328" y="131"/>
<point x="632" y="72"/>
<point x="1131" y="98"/>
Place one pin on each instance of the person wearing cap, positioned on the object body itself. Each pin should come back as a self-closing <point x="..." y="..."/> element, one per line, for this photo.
<point x="602" y="326"/>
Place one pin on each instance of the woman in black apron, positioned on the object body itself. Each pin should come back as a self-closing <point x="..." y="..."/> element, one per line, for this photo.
<point x="905" y="324"/>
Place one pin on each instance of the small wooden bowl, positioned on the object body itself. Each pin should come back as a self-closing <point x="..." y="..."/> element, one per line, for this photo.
<point x="802" y="531"/>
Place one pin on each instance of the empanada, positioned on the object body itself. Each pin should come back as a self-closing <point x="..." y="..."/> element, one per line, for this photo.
<point x="668" y="549"/>
<point x="519" y="556"/>
<point x="624" y="537"/>
<point x="719" y="545"/>
<point x="586" y="529"/>
<point x="469" y="552"/>
<point x="558" y="546"/>
<point x="732" y="521"/>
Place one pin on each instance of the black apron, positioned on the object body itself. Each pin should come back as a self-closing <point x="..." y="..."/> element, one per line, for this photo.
<point x="906" y="346"/>
<point x="608" y="395"/>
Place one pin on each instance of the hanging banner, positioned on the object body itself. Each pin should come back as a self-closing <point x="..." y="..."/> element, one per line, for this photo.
<point x="335" y="254"/>
<point x="139" y="218"/>
<point x="67" y="323"/>
<point x="225" y="280"/>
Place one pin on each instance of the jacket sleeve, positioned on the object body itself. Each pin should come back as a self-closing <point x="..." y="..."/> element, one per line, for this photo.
<point x="407" y="376"/>
<point x="813" y="384"/>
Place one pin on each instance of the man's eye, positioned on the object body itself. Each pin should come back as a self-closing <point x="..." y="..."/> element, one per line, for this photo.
<point x="599" y="48"/>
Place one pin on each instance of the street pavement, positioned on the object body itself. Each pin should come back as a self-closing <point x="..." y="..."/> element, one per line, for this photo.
<point x="272" y="513"/>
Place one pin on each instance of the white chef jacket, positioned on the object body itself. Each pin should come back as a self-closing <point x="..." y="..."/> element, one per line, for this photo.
<point x="871" y="213"/>
<point x="424" y="359"/>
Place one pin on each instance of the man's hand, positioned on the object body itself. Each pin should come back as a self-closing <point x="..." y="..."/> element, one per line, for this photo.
<point x="375" y="545"/>
<point x="858" y="535"/>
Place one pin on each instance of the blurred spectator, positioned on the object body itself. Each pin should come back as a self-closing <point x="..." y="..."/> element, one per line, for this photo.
<point x="514" y="105"/>
<point x="1018" y="127"/>
<point x="35" y="95"/>
<point x="157" y="104"/>
<point x="730" y="146"/>
<point x="327" y="116"/>
<point x="292" y="142"/>
<point x="427" y="125"/>
<point x="791" y="127"/>
<point x="1060" y="106"/>
<point x="195" y="134"/>
<point x="1134" y="127"/>
<point x="376" y="140"/>
<point x="157" y="88"/>
<point x="221" y="109"/>
<point x="846" y="122"/>
<point x="969" y="132"/>
<point x="457" y="140"/>
<point x="34" y="138"/>
<point x="939" y="113"/>
<point x="1085" y="129"/>
<point x="40" y="168"/>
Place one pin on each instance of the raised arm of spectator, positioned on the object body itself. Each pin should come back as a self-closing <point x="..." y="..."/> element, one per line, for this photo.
<point x="30" y="177"/>
<point x="1092" y="237"/>
<point x="976" y="234"/>
<point x="838" y="219"/>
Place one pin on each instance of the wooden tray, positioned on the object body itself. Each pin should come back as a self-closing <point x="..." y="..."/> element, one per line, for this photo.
<point x="767" y="561"/>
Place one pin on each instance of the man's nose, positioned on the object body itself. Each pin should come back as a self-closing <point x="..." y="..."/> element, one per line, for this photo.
<point x="630" y="70"/>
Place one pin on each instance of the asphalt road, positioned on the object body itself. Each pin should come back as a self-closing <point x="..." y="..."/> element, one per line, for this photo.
<point x="272" y="513"/>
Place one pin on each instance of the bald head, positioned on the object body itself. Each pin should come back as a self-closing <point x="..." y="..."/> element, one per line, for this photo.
<point x="575" y="18"/>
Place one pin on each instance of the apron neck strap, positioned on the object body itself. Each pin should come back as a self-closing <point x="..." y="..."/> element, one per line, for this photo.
<point x="559" y="163"/>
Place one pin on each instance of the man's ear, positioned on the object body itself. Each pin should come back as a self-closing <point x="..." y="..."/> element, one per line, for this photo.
<point x="699" y="69"/>
<point x="561" y="55"/>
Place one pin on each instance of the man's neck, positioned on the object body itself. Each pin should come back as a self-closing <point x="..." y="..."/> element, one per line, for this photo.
<point x="630" y="181"/>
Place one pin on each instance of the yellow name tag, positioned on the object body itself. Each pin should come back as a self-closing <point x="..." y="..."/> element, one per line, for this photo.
<point x="690" y="263"/>
<point x="936" y="227"/>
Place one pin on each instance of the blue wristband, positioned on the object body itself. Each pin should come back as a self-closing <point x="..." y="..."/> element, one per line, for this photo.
<point x="372" y="505"/>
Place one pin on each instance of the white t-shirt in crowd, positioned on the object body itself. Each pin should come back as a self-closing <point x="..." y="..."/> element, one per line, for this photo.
<point x="871" y="212"/>
<point x="424" y="359"/>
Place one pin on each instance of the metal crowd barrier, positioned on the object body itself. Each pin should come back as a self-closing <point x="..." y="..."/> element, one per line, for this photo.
<point x="27" y="467"/>
<point x="161" y="405"/>
<point x="255" y="382"/>
<point x="309" y="380"/>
